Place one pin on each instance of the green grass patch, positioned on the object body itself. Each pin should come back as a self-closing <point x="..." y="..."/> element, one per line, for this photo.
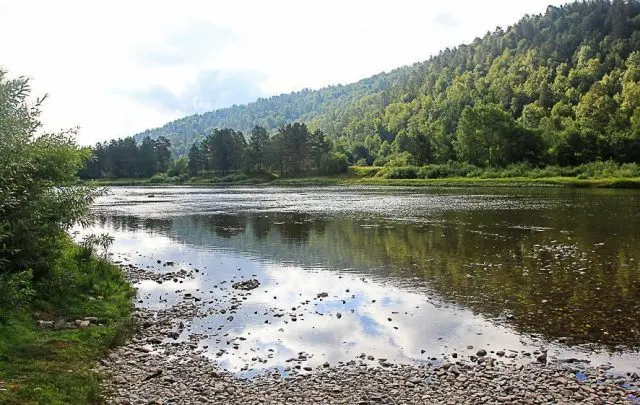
<point x="44" y="366"/>
<point x="598" y="174"/>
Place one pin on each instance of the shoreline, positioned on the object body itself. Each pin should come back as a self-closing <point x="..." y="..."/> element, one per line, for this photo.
<point x="163" y="365"/>
<point x="520" y="182"/>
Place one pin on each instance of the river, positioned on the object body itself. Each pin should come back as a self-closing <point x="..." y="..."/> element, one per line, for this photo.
<point x="410" y="274"/>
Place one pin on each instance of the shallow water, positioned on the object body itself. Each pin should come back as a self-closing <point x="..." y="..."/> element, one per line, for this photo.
<point x="410" y="273"/>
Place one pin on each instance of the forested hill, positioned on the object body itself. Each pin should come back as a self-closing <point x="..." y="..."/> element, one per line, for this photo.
<point x="272" y="112"/>
<point x="564" y="84"/>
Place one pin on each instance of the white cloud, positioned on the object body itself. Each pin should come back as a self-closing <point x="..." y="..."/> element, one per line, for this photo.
<point x="212" y="89"/>
<point x="96" y="59"/>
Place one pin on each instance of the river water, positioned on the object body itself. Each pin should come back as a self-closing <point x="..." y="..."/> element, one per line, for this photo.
<point x="410" y="274"/>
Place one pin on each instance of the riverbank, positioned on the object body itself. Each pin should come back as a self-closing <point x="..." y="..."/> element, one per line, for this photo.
<point x="624" y="183"/>
<point x="49" y="348"/>
<point x="165" y="363"/>
<point x="381" y="177"/>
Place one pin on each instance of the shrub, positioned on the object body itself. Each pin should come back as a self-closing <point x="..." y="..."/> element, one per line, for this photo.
<point x="158" y="178"/>
<point x="38" y="201"/>
<point x="380" y="161"/>
<point x="335" y="163"/>
<point x="16" y="290"/>
<point x="403" y="172"/>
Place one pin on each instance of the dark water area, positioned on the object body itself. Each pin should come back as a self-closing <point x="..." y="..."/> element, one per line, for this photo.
<point x="409" y="273"/>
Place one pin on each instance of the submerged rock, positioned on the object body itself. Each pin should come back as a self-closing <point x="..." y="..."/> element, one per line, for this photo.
<point x="246" y="285"/>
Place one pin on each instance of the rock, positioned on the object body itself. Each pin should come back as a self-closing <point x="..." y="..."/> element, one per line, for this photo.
<point x="173" y="335"/>
<point x="83" y="324"/>
<point x="182" y="371"/>
<point x="454" y="370"/>
<point x="155" y="374"/>
<point x="45" y="324"/>
<point x="60" y="324"/>
<point x="246" y="285"/>
<point x="542" y="358"/>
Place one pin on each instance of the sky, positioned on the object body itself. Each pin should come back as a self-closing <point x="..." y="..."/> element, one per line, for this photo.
<point x="117" y="68"/>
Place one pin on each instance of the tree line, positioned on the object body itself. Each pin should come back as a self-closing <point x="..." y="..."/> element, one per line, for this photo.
<point x="293" y="150"/>
<point x="125" y="158"/>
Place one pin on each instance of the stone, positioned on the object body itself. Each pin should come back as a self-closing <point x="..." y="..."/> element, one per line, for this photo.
<point x="45" y="324"/>
<point x="542" y="358"/>
<point x="83" y="324"/>
<point x="60" y="324"/>
<point x="247" y="285"/>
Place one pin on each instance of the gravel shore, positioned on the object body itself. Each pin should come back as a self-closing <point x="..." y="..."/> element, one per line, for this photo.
<point x="156" y="367"/>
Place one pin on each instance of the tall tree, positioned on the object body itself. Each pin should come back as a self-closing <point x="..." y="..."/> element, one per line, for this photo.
<point x="148" y="165"/>
<point x="196" y="160"/>
<point x="258" y="148"/>
<point x="163" y="153"/>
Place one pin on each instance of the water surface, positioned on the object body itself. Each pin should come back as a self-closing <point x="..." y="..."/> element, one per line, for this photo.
<point x="409" y="273"/>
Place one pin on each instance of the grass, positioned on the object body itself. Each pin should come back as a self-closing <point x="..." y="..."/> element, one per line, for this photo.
<point x="44" y="366"/>
<point x="597" y="174"/>
<point x="508" y="182"/>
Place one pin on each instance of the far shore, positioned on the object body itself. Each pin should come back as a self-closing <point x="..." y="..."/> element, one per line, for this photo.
<point x="350" y="179"/>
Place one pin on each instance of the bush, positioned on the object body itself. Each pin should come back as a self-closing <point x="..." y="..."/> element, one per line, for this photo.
<point x="380" y="161"/>
<point x="178" y="167"/>
<point x="38" y="201"/>
<point x="335" y="163"/>
<point x="404" y="172"/>
<point x="16" y="290"/>
<point x="234" y="177"/>
<point x="158" y="178"/>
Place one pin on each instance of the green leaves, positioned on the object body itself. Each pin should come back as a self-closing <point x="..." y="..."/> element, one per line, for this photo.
<point x="489" y="136"/>
<point x="38" y="201"/>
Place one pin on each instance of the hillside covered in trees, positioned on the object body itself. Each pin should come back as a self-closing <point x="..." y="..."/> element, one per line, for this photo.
<point x="558" y="88"/>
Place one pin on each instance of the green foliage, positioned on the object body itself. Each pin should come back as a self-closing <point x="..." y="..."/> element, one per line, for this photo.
<point x="595" y="170"/>
<point x="489" y="136"/>
<point x="224" y="150"/>
<point x="178" y="167"/>
<point x="16" y="291"/>
<point x="45" y="366"/>
<point x="37" y="203"/>
<point x="42" y="271"/>
<point x="196" y="160"/>
<point x="259" y="149"/>
<point x="335" y="163"/>
<point x="123" y="158"/>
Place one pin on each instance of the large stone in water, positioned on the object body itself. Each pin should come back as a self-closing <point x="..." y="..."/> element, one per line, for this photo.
<point x="246" y="285"/>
